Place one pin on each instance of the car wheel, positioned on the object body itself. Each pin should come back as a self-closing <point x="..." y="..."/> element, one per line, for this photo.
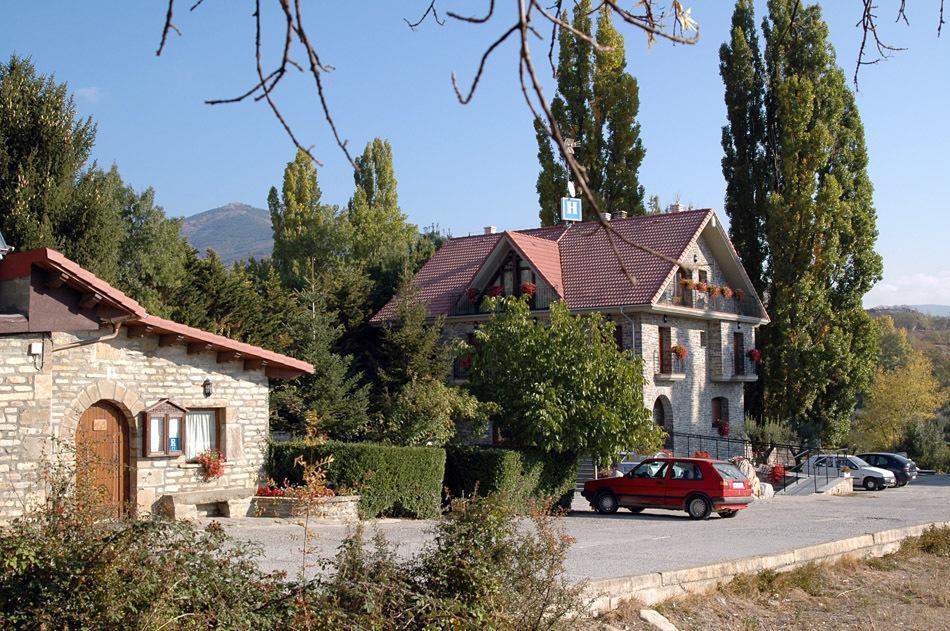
<point x="635" y="509"/>
<point x="728" y="513"/>
<point x="606" y="503"/>
<point x="902" y="483"/>
<point x="698" y="507"/>
<point x="872" y="484"/>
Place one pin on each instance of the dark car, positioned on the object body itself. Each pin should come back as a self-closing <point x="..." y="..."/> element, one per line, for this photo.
<point x="904" y="469"/>
<point x="697" y="485"/>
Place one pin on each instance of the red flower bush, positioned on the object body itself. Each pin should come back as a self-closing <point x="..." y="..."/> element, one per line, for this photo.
<point x="528" y="289"/>
<point x="212" y="464"/>
<point x="472" y="294"/>
<point x="777" y="473"/>
<point x="269" y="491"/>
<point x="724" y="428"/>
<point x="496" y="291"/>
<point x="755" y="355"/>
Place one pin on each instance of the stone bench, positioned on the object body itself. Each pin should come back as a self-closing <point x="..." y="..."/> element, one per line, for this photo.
<point x="229" y="503"/>
<point x="340" y="507"/>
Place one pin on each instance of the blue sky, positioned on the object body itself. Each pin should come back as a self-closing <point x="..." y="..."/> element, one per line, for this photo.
<point x="464" y="167"/>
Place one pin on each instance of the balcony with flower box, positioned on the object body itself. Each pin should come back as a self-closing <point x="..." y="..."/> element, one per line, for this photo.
<point x="472" y="301"/>
<point x="711" y="298"/>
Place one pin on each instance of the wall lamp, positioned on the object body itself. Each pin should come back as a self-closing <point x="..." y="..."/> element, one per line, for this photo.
<point x="207" y="387"/>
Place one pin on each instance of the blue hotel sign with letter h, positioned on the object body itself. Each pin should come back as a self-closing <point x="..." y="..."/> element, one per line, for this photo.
<point x="571" y="209"/>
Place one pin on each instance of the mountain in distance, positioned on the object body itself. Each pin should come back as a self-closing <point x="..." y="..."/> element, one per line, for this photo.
<point x="234" y="231"/>
<point x="931" y="310"/>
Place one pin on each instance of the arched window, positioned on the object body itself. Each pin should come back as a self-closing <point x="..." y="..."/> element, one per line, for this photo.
<point x="720" y="410"/>
<point x="663" y="416"/>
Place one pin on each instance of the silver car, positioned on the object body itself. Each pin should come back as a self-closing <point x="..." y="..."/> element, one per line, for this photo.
<point x="861" y="473"/>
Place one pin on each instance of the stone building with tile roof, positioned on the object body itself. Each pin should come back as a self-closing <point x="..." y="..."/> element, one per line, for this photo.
<point x="129" y="399"/>
<point x="704" y="302"/>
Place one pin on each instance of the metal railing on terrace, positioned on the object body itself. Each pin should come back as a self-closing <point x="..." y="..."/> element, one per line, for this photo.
<point x="681" y="297"/>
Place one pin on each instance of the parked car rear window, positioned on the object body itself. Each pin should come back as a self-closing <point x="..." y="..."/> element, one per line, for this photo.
<point x="856" y="462"/>
<point x="728" y="471"/>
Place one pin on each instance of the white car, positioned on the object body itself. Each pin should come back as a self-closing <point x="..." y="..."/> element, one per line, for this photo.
<point x="871" y="478"/>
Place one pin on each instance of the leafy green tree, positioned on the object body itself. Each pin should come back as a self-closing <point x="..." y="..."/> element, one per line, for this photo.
<point x="799" y="198"/>
<point x="308" y="237"/>
<point x="417" y="407"/>
<point x="561" y="386"/>
<point x="745" y="164"/>
<point x="895" y="349"/>
<point x="50" y="197"/>
<point x="596" y="104"/>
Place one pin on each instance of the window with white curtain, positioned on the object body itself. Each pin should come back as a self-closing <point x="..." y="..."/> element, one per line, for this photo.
<point x="201" y="431"/>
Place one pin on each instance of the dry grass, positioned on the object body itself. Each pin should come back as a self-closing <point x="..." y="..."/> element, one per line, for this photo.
<point x="909" y="589"/>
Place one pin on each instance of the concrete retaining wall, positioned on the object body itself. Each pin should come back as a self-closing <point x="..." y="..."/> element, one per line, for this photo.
<point x="607" y="594"/>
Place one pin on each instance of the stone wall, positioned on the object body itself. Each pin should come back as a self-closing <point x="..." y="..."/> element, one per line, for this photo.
<point x="132" y="374"/>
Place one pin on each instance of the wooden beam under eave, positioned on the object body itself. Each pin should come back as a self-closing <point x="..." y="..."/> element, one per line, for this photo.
<point x="90" y="300"/>
<point x="199" y="347"/>
<point x="275" y="372"/>
<point x="254" y="363"/>
<point x="139" y="331"/>
<point x="56" y="279"/>
<point x="170" y="339"/>
<point x="228" y="356"/>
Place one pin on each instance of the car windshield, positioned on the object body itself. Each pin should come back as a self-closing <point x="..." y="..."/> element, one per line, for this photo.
<point x="857" y="463"/>
<point x="728" y="471"/>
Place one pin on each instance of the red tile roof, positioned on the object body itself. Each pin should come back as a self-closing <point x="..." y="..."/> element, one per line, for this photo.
<point x="577" y="261"/>
<point x="19" y="264"/>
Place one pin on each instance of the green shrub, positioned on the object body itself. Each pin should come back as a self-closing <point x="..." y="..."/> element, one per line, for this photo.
<point x="392" y="481"/>
<point x="521" y="474"/>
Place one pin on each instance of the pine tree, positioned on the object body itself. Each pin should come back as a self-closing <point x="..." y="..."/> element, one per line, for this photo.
<point x="820" y="350"/>
<point x="596" y="105"/>
<point x="745" y="164"/>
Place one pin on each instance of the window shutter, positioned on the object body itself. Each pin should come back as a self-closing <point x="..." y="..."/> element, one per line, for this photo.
<point x="666" y="358"/>
<point x="738" y="353"/>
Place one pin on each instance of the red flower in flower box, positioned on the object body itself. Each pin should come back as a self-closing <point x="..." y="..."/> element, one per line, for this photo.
<point x="777" y="473"/>
<point x="679" y="351"/>
<point x="466" y="362"/>
<point x="528" y="289"/>
<point x="727" y="292"/>
<point x="724" y="429"/>
<point x="212" y="464"/>
<point x="701" y="454"/>
<point x="739" y="294"/>
<point x="715" y="290"/>
<point x="496" y="291"/>
<point x="754" y="354"/>
<point x="472" y="294"/>
<point x="703" y="287"/>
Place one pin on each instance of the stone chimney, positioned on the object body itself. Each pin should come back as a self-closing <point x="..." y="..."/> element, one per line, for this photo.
<point x="606" y="216"/>
<point x="490" y="229"/>
<point x="676" y="207"/>
<point x="620" y="214"/>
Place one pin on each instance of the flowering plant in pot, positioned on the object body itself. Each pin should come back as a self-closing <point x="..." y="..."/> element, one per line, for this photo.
<point x="687" y="282"/>
<point x="724" y="428"/>
<point x="212" y="464"/>
<point x="727" y="292"/>
<point x="679" y="351"/>
<point x="754" y="354"/>
<point x="528" y="289"/>
<point x="703" y="287"/>
<point x="739" y="294"/>
<point x="496" y="291"/>
<point x="715" y="290"/>
<point x="472" y="294"/>
<point x="701" y="454"/>
<point x="777" y="473"/>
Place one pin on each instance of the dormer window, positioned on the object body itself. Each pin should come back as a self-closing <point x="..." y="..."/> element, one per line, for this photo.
<point x="513" y="274"/>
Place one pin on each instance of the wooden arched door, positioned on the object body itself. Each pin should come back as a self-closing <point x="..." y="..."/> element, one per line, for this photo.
<point x="102" y="457"/>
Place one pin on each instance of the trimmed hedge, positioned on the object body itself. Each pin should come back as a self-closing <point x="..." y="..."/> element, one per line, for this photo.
<point x="524" y="474"/>
<point x="392" y="481"/>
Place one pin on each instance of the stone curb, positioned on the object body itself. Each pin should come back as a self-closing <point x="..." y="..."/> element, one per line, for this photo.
<point x="607" y="594"/>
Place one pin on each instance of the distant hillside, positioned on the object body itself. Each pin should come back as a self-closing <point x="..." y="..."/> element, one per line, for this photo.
<point x="235" y="231"/>
<point x="933" y="310"/>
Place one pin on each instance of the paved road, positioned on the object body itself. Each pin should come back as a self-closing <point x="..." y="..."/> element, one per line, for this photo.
<point x="626" y="544"/>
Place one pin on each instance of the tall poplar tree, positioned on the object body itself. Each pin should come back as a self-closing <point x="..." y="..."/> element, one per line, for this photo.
<point x="820" y="349"/>
<point x="307" y="236"/>
<point x="596" y="104"/>
<point x="745" y="164"/>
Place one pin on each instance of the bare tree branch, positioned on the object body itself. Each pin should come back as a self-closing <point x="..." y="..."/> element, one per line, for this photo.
<point x="868" y="24"/>
<point x="430" y="9"/>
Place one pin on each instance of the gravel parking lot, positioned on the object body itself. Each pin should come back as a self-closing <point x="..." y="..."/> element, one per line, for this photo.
<point x="626" y="544"/>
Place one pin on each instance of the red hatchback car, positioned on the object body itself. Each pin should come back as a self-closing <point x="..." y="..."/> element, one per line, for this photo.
<point x="697" y="485"/>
